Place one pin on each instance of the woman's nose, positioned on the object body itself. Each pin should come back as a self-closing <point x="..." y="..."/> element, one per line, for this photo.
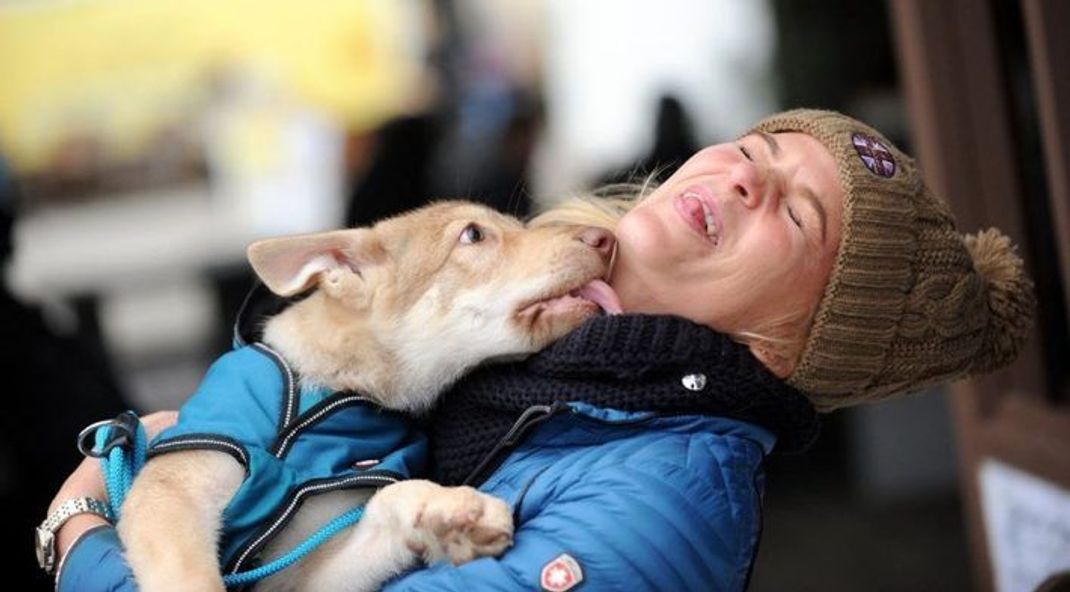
<point x="749" y="184"/>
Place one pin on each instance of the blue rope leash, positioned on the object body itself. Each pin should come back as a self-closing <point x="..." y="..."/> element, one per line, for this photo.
<point x="120" y="466"/>
<point x="119" y="469"/>
<point x="318" y="538"/>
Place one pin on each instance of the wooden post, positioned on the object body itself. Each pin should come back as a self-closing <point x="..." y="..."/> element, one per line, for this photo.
<point x="965" y="140"/>
<point x="1049" y="56"/>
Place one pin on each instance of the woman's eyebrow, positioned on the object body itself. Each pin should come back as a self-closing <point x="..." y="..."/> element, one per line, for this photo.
<point x="774" y="146"/>
<point x="809" y="195"/>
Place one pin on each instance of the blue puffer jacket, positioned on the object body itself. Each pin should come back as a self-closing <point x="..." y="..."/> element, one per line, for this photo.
<point x="636" y="501"/>
<point x="639" y="502"/>
<point x="648" y="478"/>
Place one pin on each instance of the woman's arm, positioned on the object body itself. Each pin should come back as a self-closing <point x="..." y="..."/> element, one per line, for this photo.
<point x="85" y="481"/>
<point x="88" y="551"/>
<point x="658" y="526"/>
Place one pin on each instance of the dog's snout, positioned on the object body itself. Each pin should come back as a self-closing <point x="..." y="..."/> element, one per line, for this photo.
<point x="598" y="239"/>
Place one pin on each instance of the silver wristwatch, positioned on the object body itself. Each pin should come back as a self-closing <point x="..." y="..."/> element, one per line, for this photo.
<point x="46" y="533"/>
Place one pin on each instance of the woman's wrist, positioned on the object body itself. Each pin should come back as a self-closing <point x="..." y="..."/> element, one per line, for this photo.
<point x="85" y="481"/>
<point x="73" y="529"/>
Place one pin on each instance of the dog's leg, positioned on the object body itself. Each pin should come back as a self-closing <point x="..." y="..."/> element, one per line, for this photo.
<point x="410" y="521"/>
<point x="171" y="520"/>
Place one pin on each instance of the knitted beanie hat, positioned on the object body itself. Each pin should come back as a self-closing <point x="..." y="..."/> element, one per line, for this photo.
<point x="910" y="301"/>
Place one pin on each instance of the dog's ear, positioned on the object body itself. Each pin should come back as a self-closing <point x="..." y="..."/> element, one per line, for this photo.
<point x="291" y="264"/>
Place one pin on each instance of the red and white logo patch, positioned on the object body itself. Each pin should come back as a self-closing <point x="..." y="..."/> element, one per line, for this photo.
<point x="561" y="574"/>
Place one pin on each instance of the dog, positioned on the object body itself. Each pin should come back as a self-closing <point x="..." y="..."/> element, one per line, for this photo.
<point x="394" y="314"/>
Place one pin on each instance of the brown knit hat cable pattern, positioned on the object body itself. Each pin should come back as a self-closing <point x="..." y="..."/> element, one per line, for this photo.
<point x="910" y="301"/>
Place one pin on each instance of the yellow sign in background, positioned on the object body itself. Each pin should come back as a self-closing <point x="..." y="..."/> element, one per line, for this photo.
<point x="119" y="67"/>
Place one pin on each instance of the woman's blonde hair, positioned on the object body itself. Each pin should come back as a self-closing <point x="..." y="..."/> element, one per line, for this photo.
<point x="604" y="207"/>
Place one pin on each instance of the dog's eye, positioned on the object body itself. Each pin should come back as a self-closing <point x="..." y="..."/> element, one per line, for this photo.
<point x="472" y="234"/>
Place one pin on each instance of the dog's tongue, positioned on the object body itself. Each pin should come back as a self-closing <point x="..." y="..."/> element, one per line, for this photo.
<point x="601" y="294"/>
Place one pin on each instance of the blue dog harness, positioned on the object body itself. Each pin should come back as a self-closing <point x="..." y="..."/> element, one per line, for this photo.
<point x="293" y="440"/>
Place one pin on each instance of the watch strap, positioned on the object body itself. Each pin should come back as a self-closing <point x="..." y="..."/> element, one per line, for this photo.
<point x="73" y="507"/>
<point x="46" y="532"/>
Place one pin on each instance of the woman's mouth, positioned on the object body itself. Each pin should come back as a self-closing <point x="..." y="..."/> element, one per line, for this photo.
<point x="694" y="205"/>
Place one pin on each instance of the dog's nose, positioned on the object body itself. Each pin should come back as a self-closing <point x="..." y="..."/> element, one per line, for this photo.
<point x="598" y="239"/>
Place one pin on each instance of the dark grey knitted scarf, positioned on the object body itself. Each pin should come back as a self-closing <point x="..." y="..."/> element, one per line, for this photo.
<point x="625" y="362"/>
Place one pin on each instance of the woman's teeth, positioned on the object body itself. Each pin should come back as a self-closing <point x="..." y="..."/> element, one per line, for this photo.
<point x="711" y="226"/>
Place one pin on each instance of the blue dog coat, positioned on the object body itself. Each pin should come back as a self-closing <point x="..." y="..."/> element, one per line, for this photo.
<point x="293" y="441"/>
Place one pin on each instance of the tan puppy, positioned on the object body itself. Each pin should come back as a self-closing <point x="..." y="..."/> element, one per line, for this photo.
<point x="399" y="312"/>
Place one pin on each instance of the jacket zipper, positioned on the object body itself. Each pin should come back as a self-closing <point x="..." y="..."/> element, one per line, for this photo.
<point x="289" y="407"/>
<point x="537" y="414"/>
<point x="282" y="446"/>
<point x="531" y="416"/>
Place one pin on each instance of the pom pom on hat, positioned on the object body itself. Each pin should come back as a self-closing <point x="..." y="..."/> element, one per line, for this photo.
<point x="1011" y="302"/>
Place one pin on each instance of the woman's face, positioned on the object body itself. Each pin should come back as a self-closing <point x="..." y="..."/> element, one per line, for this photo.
<point x="743" y="236"/>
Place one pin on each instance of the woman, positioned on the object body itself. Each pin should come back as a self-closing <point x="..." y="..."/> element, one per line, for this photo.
<point x="804" y="267"/>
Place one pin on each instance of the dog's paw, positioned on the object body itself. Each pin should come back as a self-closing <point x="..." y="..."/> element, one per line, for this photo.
<point x="460" y="524"/>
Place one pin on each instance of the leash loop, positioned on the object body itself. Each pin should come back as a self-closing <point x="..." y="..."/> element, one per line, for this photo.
<point x="121" y="431"/>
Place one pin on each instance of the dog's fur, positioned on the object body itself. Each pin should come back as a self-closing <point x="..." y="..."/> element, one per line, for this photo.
<point x="399" y="312"/>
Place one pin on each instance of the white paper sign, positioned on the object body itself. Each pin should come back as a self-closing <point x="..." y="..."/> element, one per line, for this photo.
<point x="1028" y="524"/>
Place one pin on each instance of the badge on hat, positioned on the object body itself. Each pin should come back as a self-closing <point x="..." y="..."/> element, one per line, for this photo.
<point x="560" y="574"/>
<point x="874" y="154"/>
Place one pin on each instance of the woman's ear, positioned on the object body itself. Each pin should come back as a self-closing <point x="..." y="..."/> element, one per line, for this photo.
<point x="291" y="264"/>
<point x="781" y="366"/>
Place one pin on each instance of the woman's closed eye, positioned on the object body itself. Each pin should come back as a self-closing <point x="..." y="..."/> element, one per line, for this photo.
<point x="746" y="154"/>
<point x="795" y="217"/>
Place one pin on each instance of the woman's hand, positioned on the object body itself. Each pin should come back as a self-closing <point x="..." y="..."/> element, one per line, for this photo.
<point x="87" y="481"/>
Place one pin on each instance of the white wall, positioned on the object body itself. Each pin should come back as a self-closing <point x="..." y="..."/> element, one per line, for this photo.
<point x="606" y="62"/>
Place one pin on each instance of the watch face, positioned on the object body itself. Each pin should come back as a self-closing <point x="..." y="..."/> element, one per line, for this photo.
<point x="45" y="548"/>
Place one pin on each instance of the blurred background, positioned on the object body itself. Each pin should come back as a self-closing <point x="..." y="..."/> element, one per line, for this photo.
<point x="144" y="144"/>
